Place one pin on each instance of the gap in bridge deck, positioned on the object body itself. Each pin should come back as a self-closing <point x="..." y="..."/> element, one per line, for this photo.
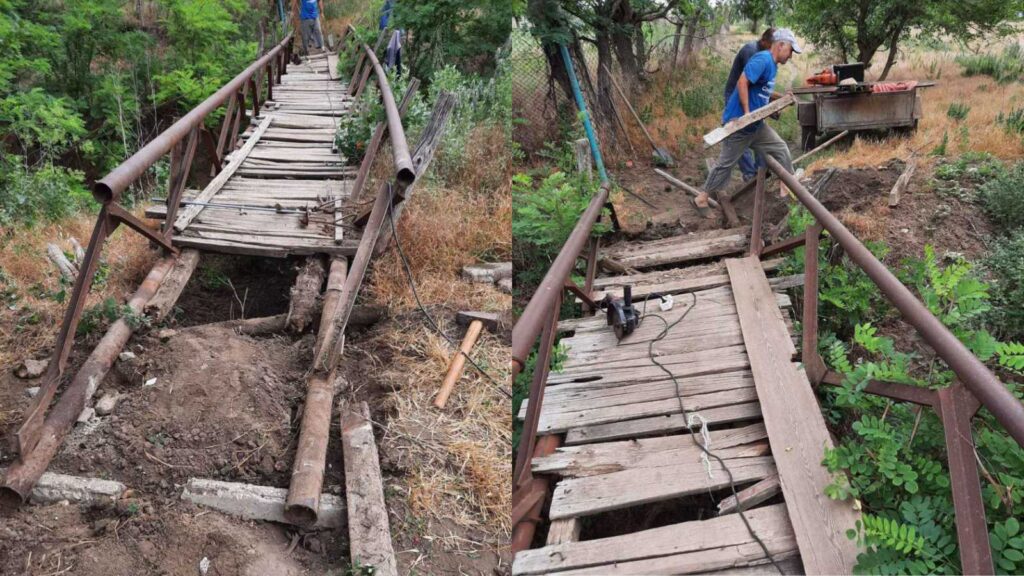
<point x="220" y="281"/>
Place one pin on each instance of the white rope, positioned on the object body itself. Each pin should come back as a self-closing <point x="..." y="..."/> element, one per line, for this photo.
<point x="693" y="419"/>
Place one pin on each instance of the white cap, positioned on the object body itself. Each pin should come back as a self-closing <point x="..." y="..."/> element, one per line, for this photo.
<point x="786" y="35"/>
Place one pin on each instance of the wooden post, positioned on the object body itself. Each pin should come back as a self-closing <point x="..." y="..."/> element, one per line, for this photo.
<point x="902" y="182"/>
<point x="812" y="361"/>
<point x="584" y="163"/>
<point x="755" y="231"/>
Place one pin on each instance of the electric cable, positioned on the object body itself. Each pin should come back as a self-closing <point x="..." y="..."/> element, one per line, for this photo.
<point x="423" y="310"/>
<point x="682" y="410"/>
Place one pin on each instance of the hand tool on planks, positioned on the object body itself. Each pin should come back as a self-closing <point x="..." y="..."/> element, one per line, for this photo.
<point x="476" y="321"/>
<point x="660" y="154"/>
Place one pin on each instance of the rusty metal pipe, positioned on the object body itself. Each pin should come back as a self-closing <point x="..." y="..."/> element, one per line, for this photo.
<point x="23" y="475"/>
<point x="531" y="321"/>
<point x="109" y="189"/>
<point x="972" y="372"/>
<point x="303" y="504"/>
<point x="404" y="171"/>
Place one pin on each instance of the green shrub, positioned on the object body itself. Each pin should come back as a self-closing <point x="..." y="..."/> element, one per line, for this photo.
<point x="545" y="214"/>
<point x="1003" y="198"/>
<point x="1005" y="67"/>
<point x="958" y="111"/>
<point x="1012" y="122"/>
<point x="1006" y="265"/>
<point x="29" y="196"/>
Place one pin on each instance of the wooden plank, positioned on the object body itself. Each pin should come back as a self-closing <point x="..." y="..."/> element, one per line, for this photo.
<point x="902" y="182"/>
<point x="790" y="565"/>
<point x="737" y="124"/>
<point x="685" y="364"/>
<point x="590" y="495"/>
<point x="751" y="496"/>
<point x="593" y="459"/>
<point x="678" y="249"/>
<point x="659" y="424"/>
<point x="190" y="212"/>
<point x="564" y="530"/>
<point x="368" y="529"/>
<point x="795" y="426"/>
<point x="699" y="546"/>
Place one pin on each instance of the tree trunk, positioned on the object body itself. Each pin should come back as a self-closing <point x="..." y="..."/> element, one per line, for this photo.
<point x="893" y="50"/>
<point x="675" y="45"/>
<point x="691" y="34"/>
<point x="753" y="25"/>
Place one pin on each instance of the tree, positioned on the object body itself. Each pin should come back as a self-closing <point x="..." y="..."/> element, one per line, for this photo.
<point x="755" y="10"/>
<point x="860" y="29"/>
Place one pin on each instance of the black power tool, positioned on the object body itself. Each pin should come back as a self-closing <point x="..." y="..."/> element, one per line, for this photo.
<point x="622" y="316"/>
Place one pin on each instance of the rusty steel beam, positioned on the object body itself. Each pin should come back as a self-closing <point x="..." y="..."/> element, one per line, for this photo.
<point x="956" y="407"/>
<point x="109" y="189"/>
<point x="982" y="383"/>
<point x="527" y="439"/>
<point x="525" y="527"/>
<point x="25" y="472"/>
<point x="784" y="245"/>
<point x="303" y="504"/>
<point x="532" y="320"/>
<point x="891" y="390"/>
<point x="404" y="171"/>
<point x="812" y="361"/>
<point x="756" y="245"/>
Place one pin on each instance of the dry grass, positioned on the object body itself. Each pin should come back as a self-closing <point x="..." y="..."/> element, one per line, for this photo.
<point x="29" y="324"/>
<point x="458" y="459"/>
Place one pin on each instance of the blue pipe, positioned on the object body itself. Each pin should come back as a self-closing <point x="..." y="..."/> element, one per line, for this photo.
<point x="594" y="150"/>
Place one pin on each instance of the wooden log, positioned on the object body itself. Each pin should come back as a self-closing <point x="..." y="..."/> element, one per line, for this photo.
<point x="305" y="293"/>
<point x="902" y="182"/>
<point x="737" y="124"/>
<point x="613" y="265"/>
<point x="751" y="496"/>
<point x="67" y="270"/>
<point x="368" y="529"/>
<point x="160" y="305"/>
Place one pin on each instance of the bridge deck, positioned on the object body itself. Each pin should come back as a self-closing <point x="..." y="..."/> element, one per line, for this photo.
<point x="626" y="441"/>
<point x="283" y="164"/>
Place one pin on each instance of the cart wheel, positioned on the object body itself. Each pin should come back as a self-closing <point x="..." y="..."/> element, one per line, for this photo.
<point x="808" y="137"/>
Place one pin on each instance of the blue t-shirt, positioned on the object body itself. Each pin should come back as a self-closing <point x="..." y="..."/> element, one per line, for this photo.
<point x="760" y="72"/>
<point x="308" y="10"/>
<point x="738" y="64"/>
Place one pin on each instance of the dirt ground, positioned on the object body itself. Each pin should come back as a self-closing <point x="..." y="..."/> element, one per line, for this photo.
<point x="203" y="401"/>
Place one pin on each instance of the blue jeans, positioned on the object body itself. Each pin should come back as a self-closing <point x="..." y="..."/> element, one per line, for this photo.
<point x="749" y="164"/>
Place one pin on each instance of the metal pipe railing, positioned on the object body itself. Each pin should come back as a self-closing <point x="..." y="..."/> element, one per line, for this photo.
<point x="109" y="189"/>
<point x="992" y="394"/>
<point x="405" y="173"/>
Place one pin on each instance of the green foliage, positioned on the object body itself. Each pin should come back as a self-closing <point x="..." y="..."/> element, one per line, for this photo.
<point x="546" y="213"/>
<point x="1006" y="265"/>
<point x="958" y="111"/>
<point x="464" y="34"/>
<point x="702" y="92"/>
<point x="1004" y="68"/>
<point x="1002" y="197"/>
<point x="43" y="194"/>
<point x="940" y="149"/>
<point x="356" y="129"/>
<point x="95" y="318"/>
<point x="893" y="459"/>
<point x="1013" y="121"/>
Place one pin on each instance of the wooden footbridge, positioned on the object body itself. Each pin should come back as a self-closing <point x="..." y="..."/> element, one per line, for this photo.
<point x="279" y="188"/>
<point x="708" y="410"/>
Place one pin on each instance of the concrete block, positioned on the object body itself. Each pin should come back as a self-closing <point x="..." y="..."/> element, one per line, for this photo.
<point x="53" y="487"/>
<point x="258" y="502"/>
<point x="488" y="273"/>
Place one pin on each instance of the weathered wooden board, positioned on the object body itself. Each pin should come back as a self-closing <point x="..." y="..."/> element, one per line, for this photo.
<point x="368" y="529"/>
<point x="751" y="496"/>
<point x="690" y="547"/>
<point x="679" y="249"/>
<point x="796" y="429"/>
<point x="660" y="424"/>
<point x="737" y="124"/>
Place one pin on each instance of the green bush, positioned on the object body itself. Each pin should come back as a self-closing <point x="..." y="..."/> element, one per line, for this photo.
<point x="1013" y="121"/>
<point x="1005" y="67"/>
<point x="958" y="111"/>
<point x="545" y="214"/>
<point x="1003" y="198"/>
<point x="41" y="194"/>
<point x="1006" y="265"/>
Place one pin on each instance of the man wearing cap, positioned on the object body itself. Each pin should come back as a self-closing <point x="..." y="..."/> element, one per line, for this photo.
<point x="754" y="90"/>
<point x="748" y="164"/>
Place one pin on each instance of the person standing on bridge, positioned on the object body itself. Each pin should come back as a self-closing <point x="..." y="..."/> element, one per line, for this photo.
<point x="309" y="15"/>
<point x="754" y="89"/>
<point x="748" y="162"/>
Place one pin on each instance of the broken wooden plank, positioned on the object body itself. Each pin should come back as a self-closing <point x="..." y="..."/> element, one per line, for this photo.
<point x="737" y="124"/>
<point x="190" y="212"/>
<point x="564" y="530"/>
<point x="368" y="529"/>
<point x="796" y="429"/>
<point x="679" y="249"/>
<point x="902" y="182"/>
<point x="751" y="496"/>
<point x="689" y="547"/>
<point x="171" y="288"/>
<point x="659" y="424"/>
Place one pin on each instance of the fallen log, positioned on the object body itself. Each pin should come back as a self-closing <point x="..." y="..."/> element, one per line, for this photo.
<point x="68" y="271"/>
<point x="305" y="293"/>
<point x="160" y="305"/>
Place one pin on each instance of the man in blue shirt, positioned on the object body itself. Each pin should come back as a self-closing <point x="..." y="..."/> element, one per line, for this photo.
<point x="748" y="164"/>
<point x="754" y="89"/>
<point x="309" y="15"/>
